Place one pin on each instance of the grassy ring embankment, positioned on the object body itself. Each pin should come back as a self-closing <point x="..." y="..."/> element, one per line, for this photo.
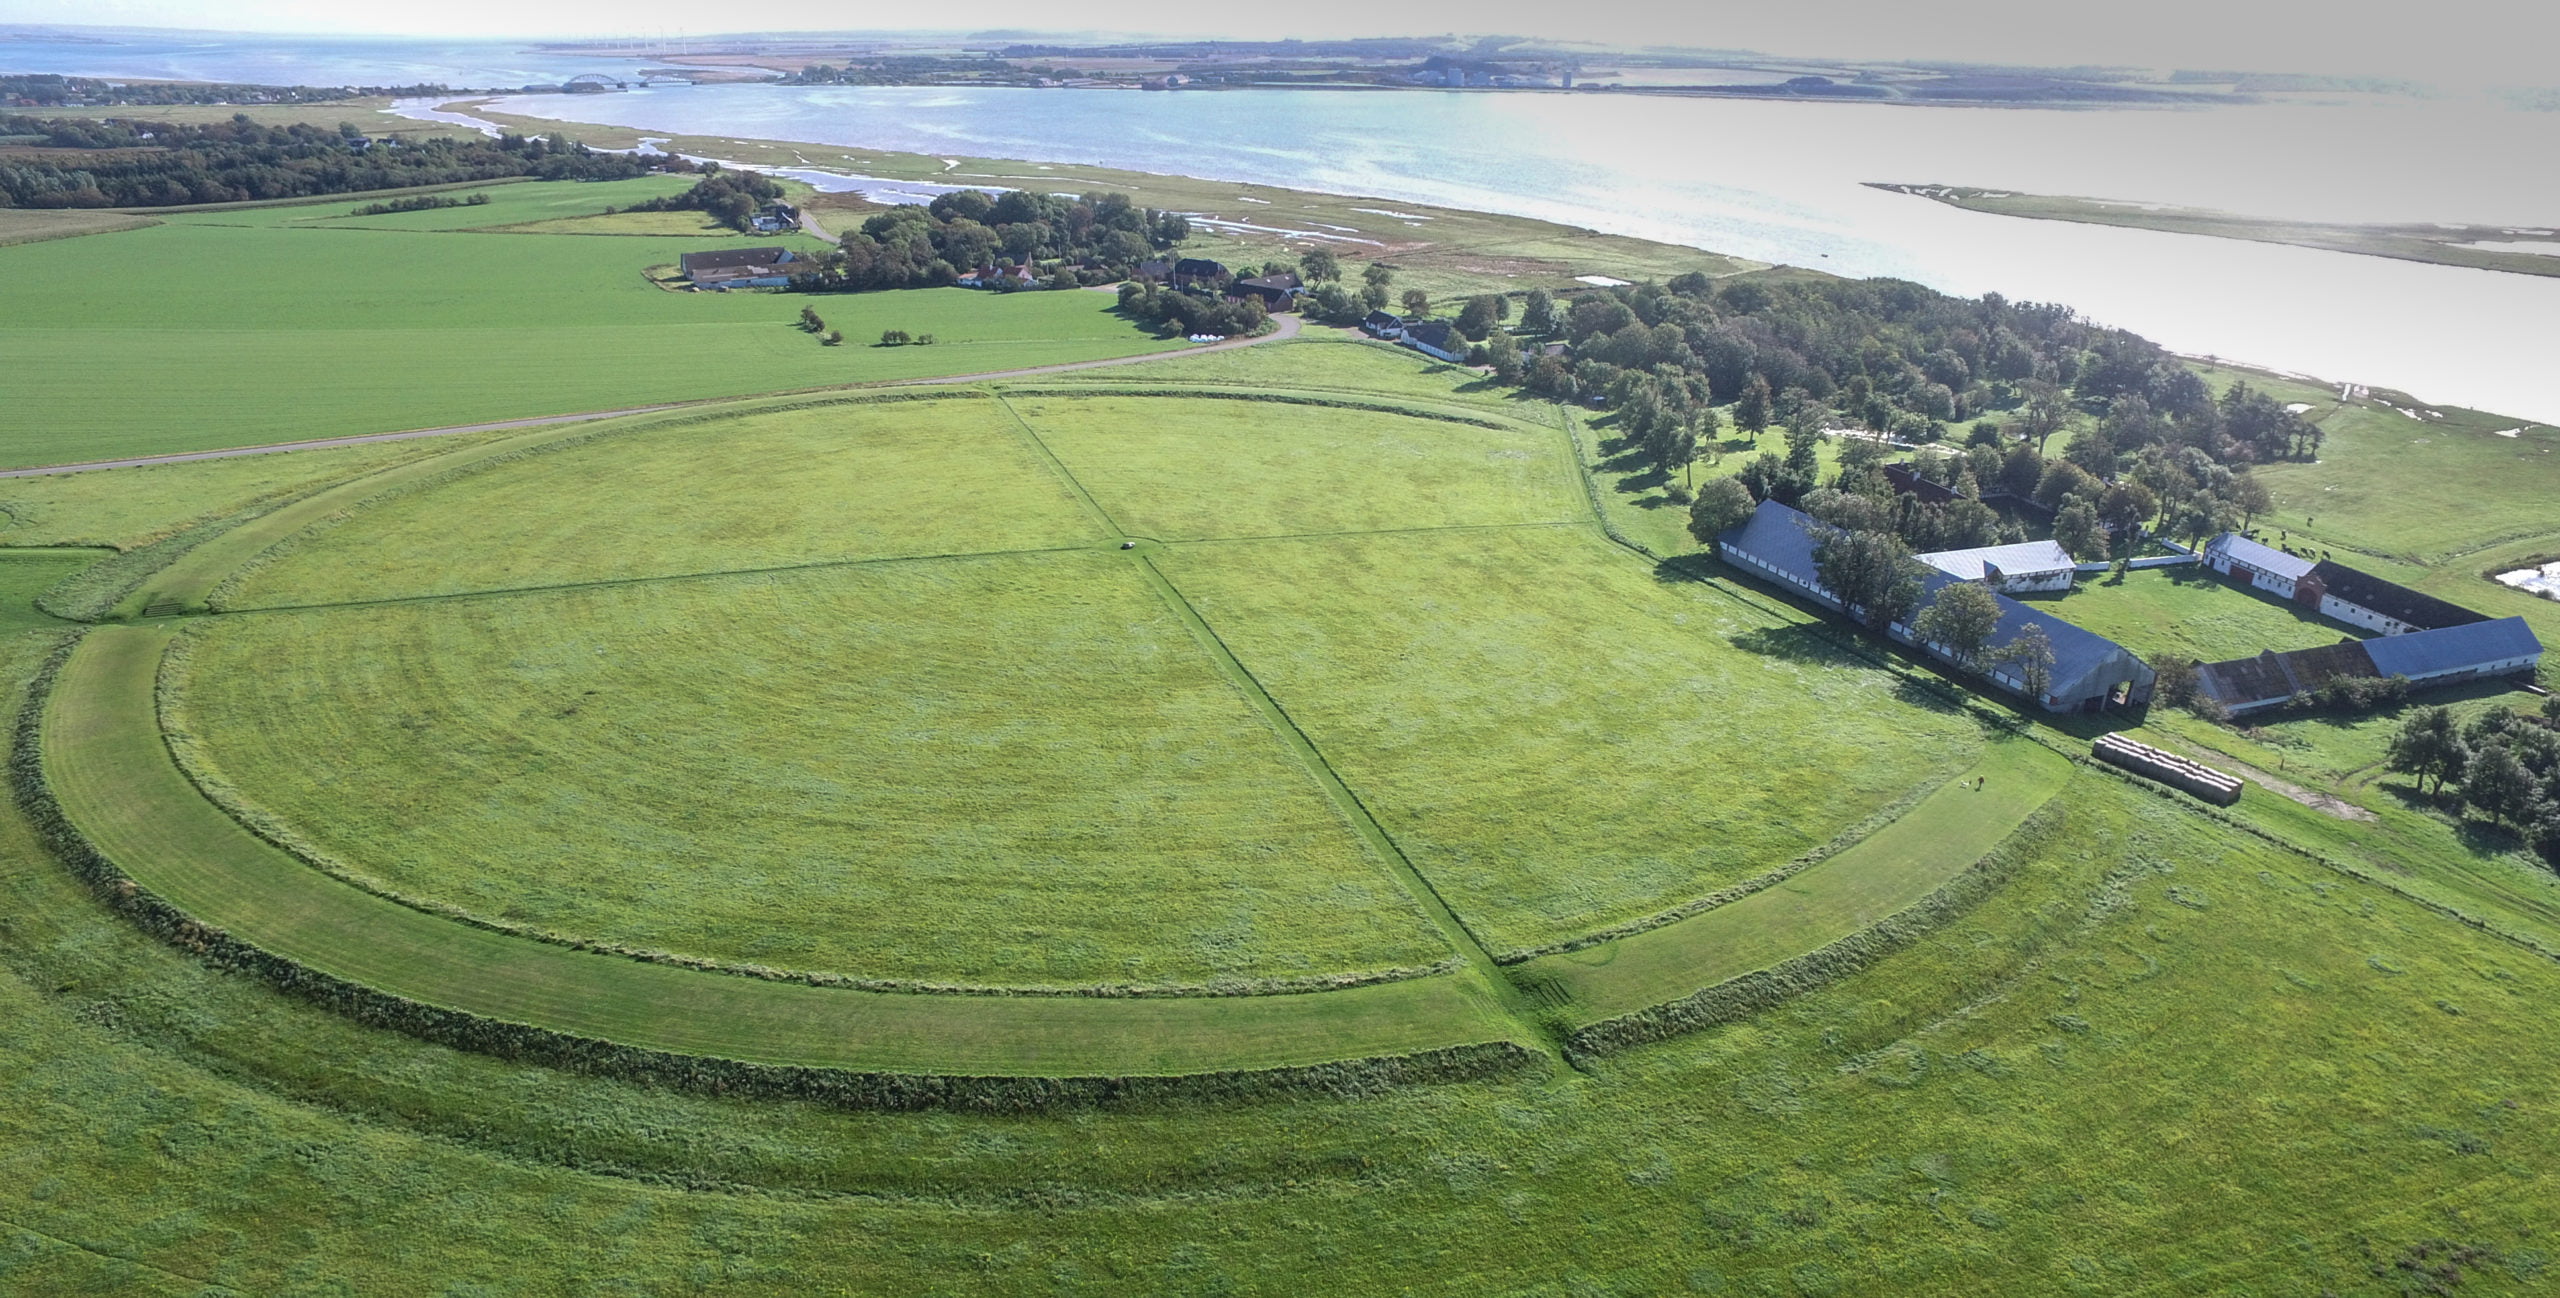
<point x="95" y="770"/>
<point x="98" y="777"/>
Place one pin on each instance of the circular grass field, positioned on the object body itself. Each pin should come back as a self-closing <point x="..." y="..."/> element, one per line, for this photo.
<point x="866" y="729"/>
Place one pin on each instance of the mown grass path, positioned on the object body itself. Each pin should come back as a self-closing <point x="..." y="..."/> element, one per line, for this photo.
<point x="1887" y="872"/>
<point x="111" y="771"/>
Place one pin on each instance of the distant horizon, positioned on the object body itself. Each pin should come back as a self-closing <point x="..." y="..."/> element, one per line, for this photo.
<point x="2200" y="35"/>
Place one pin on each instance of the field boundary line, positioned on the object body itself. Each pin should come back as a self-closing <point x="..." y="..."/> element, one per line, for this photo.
<point x="1801" y="862"/>
<point x="99" y="785"/>
<point x="1476" y="957"/>
<point x="611" y="583"/>
<point x="196" y="762"/>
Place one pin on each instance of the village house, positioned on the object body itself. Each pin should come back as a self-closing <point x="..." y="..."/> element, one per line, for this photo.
<point x="1383" y="324"/>
<point x="2090" y="673"/>
<point x="1437" y="339"/>
<point x="1276" y="291"/>
<point x="2340" y="593"/>
<point x="998" y="277"/>
<point x="1199" y="273"/>
<point x="729" y="268"/>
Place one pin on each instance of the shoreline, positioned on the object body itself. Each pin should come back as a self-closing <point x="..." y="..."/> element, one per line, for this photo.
<point x="1142" y="185"/>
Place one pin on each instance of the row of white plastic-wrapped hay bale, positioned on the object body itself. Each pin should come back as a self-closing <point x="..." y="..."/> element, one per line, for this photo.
<point x="2177" y="772"/>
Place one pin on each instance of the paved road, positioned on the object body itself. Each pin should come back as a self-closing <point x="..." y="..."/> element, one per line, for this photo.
<point x="1288" y="326"/>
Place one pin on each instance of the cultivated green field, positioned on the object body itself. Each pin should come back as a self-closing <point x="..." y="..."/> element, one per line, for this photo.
<point x="235" y="334"/>
<point x="1559" y="739"/>
<point x="964" y="771"/>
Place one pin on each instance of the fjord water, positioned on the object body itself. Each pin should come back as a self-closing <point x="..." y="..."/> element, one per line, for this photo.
<point x="1782" y="181"/>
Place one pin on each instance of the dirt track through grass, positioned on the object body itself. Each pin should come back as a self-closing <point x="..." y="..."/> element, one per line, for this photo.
<point x="1885" y="873"/>
<point x="112" y="773"/>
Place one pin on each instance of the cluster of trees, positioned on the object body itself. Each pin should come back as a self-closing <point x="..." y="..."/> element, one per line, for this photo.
<point x="420" y="203"/>
<point x="813" y="324"/>
<point x="1177" y="312"/>
<point x="2506" y="762"/>
<point x="122" y="163"/>
<point x="1906" y="361"/>
<point x="730" y="197"/>
<point x="901" y="338"/>
<point x="1096" y="239"/>
<point x="45" y="90"/>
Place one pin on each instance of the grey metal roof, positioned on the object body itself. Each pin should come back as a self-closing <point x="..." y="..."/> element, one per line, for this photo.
<point x="2264" y="558"/>
<point x="1785" y="539"/>
<point x="2390" y="598"/>
<point x="2078" y="653"/>
<point x="2013" y="560"/>
<point x="2453" y="648"/>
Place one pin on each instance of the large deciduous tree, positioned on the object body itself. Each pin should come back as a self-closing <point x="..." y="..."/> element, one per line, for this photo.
<point x="1961" y="619"/>
<point x="1872" y="573"/>
<point x="1722" y="505"/>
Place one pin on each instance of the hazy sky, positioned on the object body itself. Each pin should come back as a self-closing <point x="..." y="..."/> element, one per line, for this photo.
<point x="2511" y="41"/>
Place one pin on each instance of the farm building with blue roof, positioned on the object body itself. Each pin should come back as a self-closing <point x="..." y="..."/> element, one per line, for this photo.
<point x="2090" y="672"/>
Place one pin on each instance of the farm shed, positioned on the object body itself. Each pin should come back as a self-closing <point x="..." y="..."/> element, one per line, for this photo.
<point x="2444" y="656"/>
<point x="2244" y="685"/>
<point x="2364" y="600"/>
<point x="2090" y="672"/>
<point x="738" y="267"/>
<point x="2505" y="647"/>
<point x="2029" y="565"/>
<point x="2263" y="566"/>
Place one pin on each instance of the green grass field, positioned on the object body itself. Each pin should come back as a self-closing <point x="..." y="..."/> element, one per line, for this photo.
<point x="509" y="204"/>
<point x="116" y="779"/>
<point x="2162" y="1056"/>
<point x="1558" y="739"/>
<point x="232" y="334"/>
<point x="1179" y="469"/>
<point x="1878" y="876"/>
<point x="2189" y="612"/>
<point x="123" y="508"/>
<point x="959" y="771"/>
<point x="798" y="484"/>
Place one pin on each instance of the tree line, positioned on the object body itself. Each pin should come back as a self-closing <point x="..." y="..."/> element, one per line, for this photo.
<point x="1094" y="239"/>
<point x="47" y="90"/>
<point x="121" y="163"/>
